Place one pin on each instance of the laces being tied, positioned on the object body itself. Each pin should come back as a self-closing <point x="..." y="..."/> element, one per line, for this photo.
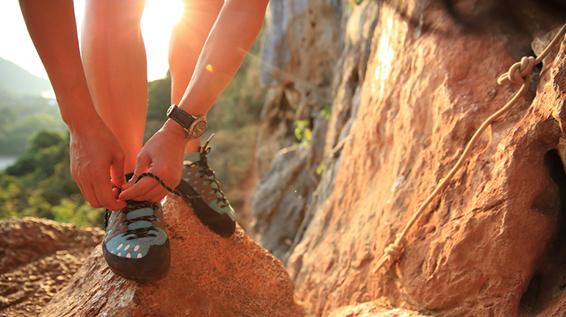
<point x="137" y="232"/>
<point x="148" y="231"/>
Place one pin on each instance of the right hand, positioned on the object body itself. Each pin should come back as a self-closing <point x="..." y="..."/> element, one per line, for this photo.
<point x="97" y="164"/>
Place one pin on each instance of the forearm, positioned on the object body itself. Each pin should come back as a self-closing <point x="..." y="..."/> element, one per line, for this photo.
<point x="236" y="28"/>
<point x="52" y="27"/>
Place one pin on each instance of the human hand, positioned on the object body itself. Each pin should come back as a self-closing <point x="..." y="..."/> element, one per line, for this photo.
<point x="97" y="164"/>
<point x="162" y="156"/>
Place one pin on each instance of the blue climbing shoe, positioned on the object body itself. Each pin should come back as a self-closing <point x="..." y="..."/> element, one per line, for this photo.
<point x="136" y="245"/>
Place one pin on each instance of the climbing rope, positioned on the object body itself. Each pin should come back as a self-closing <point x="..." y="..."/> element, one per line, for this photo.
<point x="519" y="73"/>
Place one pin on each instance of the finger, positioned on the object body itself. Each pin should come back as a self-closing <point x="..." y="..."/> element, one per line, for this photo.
<point x="156" y="194"/>
<point x="138" y="190"/>
<point x="117" y="170"/>
<point x="142" y="165"/>
<point x="115" y="192"/>
<point x="103" y="192"/>
<point x="90" y="196"/>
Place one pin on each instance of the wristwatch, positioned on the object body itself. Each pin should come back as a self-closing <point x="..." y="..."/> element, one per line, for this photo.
<point x="193" y="126"/>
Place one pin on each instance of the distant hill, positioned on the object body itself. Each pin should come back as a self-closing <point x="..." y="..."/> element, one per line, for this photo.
<point x="18" y="81"/>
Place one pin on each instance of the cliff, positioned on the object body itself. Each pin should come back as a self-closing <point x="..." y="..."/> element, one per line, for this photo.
<point x="407" y="87"/>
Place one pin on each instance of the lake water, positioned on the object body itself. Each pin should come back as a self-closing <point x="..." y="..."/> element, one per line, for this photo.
<point x="6" y="161"/>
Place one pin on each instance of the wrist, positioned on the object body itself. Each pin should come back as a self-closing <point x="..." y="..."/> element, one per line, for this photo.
<point x="194" y="111"/>
<point x="84" y="123"/>
<point x="172" y="127"/>
<point x="77" y="111"/>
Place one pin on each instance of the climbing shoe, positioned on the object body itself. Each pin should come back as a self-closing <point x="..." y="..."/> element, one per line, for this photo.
<point x="203" y="191"/>
<point x="136" y="245"/>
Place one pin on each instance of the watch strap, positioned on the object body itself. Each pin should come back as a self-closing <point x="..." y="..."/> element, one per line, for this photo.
<point x="181" y="117"/>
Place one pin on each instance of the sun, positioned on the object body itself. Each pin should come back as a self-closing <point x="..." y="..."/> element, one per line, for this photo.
<point x="159" y="18"/>
<point x="162" y="13"/>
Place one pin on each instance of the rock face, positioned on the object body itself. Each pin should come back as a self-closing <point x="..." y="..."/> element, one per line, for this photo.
<point x="210" y="276"/>
<point x="37" y="259"/>
<point x="374" y="309"/>
<point x="408" y="89"/>
<point x="299" y="91"/>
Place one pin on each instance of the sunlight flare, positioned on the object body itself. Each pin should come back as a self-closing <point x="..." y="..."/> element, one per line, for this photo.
<point x="159" y="19"/>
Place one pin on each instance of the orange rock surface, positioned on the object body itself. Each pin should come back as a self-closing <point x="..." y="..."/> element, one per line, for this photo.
<point x="492" y="243"/>
<point x="210" y="276"/>
<point x="37" y="259"/>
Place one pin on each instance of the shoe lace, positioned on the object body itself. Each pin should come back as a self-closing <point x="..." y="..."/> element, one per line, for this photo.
<point x="133" y="205"/>
<point x="209" y="174"/>
<point x="138" y="232"/>
<point x="204" y="168"/>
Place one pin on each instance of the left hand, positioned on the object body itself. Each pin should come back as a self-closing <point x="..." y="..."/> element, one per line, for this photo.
<point x="163" y="156"/>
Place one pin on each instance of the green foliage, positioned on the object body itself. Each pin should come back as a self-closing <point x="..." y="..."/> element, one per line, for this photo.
<point x="320" y="169"/>
<point x="326" y="111"/>
<point x="303" y="131"/>
<point x="39" y="184"/>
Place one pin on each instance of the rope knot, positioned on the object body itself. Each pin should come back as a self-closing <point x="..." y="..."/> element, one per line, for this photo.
<point x="391" y="254"/>
<point x="519" y="72"/>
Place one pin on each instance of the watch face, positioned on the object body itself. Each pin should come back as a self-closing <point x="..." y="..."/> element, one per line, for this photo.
<point x="198" y="128"/>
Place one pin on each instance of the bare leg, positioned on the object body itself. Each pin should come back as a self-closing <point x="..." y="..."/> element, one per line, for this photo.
<point x="187" y="39"/>
<point x="115" y="65"/>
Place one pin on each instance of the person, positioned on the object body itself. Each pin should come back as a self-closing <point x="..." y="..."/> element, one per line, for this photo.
<point x="102" y="95"/>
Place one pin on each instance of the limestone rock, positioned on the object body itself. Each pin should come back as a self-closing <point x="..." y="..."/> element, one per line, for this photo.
<point x="409" y="90"/>
<point x="301" y="46"/>
<point x="476" y="254"/>
<point x="210" y="276"/>
<point x="37" y="259"/>
<point x="374" y="309"/>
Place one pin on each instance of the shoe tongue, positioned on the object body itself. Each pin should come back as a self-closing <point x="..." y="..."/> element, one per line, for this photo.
<point x="193" y="157"/>
<point x="142" y="212"/>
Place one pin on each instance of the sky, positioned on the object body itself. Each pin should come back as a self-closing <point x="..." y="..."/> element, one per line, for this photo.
<point x="157" y="22"/>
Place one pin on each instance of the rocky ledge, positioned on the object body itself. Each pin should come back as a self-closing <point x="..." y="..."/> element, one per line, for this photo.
<point x="210" y="276"/>
<point x="37" y="259"/>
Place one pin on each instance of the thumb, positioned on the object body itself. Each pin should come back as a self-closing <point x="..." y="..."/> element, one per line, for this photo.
<point x="142" y="166"/>
<point x="117" y="169"/>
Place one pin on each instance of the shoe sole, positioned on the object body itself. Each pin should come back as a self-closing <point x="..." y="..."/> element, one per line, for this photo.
<point x="221" y="224"/>
<point x="143" y="270"/>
